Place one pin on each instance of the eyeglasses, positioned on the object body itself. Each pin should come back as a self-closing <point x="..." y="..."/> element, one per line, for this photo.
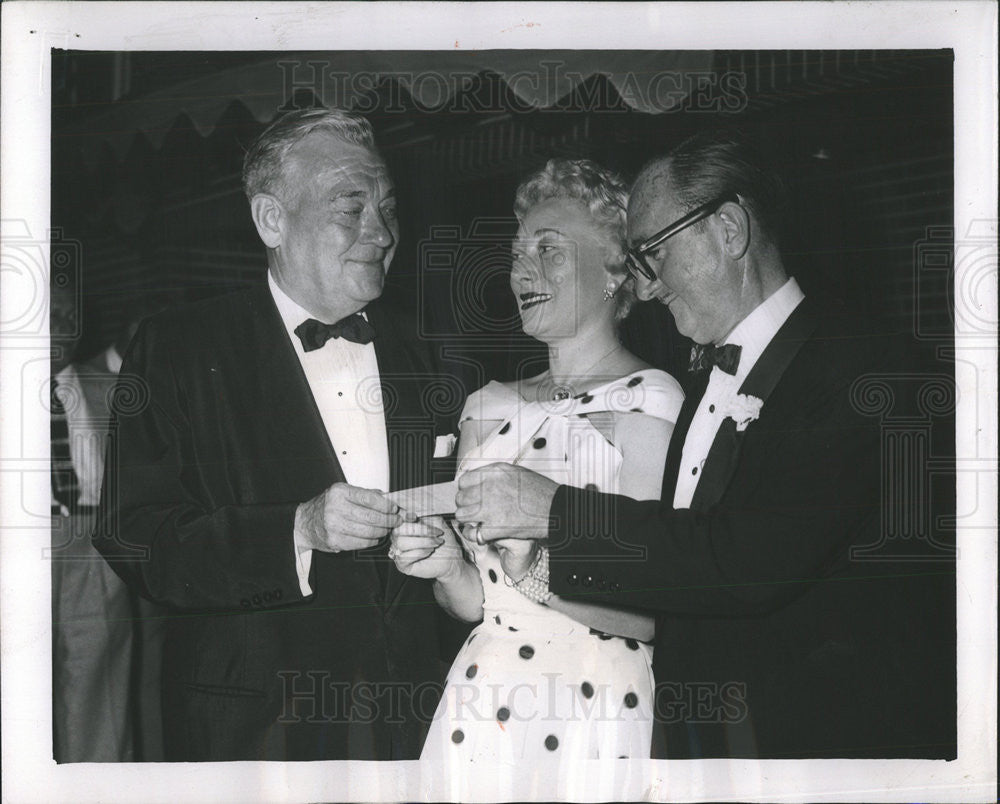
<point x="635" y="257"/>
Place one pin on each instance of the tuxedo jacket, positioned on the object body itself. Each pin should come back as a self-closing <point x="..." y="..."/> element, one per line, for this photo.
<point x="779" y="633"/>
<point x="217" y="441"/>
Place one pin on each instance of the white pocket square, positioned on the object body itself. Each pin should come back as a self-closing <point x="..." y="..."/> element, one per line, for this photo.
<point x="444" y="445"/>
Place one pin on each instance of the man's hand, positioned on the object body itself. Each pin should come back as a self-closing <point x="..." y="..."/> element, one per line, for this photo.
<point x="510" y="502"/>
<point x="427" y="549"/>
<point x="344" y="517"/>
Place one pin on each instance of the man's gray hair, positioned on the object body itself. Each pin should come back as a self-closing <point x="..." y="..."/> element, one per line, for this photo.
<point x="263" y="165"/>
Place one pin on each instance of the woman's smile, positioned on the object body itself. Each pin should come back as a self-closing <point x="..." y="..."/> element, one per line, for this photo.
<point x="532" y="299"/>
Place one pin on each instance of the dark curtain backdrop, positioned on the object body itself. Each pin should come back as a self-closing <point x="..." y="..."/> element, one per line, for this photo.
<point x="147" y="148"/>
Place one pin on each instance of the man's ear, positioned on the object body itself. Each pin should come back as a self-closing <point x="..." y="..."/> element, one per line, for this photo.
<point x="267" y="213"/>
<point x="736" y="229"/>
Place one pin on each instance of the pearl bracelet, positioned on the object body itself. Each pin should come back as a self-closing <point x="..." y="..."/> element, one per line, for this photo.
<point x="534" y="584"/>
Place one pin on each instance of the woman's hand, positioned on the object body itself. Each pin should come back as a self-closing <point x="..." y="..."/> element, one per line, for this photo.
<point x="516" y="556"/>
<point x="426" y="549"/>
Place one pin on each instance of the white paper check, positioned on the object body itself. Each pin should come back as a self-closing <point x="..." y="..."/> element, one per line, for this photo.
<point x="427" y="500"/>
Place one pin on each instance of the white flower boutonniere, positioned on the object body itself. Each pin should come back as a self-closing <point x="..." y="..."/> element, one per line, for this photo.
<point x="744" y="409"/>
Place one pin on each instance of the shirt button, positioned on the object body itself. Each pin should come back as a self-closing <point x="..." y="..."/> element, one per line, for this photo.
<point x="711" y="408"/>
<point x="694" y="470"/>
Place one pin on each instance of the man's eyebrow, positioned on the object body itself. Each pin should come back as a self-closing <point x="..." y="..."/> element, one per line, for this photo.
<point x="356" y="193"/>
<point x="548" y="230"/>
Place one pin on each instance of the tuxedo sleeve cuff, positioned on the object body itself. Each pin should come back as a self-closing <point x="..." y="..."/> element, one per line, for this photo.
<point x="587" y="557"/>
<point x="303" y="564"/>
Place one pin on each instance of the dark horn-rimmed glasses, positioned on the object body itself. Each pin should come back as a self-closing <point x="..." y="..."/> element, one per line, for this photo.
<point x="635" y="257"/>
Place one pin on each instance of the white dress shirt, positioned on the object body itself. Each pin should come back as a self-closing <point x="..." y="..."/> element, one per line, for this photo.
<point x="88" y="423"/>
<point x="344" y="380"/>
<point x="753" y="333"/>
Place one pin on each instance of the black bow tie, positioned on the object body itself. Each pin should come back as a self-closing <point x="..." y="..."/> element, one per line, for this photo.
<point x="725" y="357"/>
<point x="314" y="334"/>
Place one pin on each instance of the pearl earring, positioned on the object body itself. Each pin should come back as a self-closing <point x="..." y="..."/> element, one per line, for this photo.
<point x="609" y="291"/>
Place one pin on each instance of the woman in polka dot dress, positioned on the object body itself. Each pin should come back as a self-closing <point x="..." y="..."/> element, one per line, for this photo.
<point x="569" y="680"/>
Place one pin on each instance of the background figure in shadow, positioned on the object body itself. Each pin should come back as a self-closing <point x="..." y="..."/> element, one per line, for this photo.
<point x="106" y="648"/>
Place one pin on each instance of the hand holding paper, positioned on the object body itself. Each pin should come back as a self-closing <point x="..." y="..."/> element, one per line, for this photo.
<point x="510" y="502"/>
<point x="344" y="517"/>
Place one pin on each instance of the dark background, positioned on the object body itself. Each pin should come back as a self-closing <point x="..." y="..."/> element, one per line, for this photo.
<point x="864" y="138"/>
<point x="148" y="209"/>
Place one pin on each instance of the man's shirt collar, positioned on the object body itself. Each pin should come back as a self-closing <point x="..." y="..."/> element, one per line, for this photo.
<point x="758" y="329"/>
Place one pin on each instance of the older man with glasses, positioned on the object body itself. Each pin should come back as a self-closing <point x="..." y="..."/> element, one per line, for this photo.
<point x="773" y="639"/>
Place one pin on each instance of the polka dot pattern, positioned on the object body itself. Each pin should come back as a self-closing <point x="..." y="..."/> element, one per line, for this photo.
<point x="540" y="680"/>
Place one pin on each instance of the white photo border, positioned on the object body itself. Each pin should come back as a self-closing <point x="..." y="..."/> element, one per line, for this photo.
<point x="32" y="29"/>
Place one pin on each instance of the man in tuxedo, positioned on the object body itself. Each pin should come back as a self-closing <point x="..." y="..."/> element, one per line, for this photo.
<point x="246" y="490"/>
<point x="775" y="637"/>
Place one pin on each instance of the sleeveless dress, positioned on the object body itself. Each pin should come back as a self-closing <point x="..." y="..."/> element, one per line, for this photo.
<point x="532" y="685"/>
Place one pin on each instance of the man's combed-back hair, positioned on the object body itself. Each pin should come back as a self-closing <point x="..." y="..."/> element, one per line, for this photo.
<point x="263" y="165"/>
<point x="714" y="163"/>
<point x="603" y="193"/>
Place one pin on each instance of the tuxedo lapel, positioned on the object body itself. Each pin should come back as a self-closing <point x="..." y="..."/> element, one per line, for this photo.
<point x="674" y="451"/>
<point x="724" y="454"/>
<point x="781" y="351"/>
<point x="409" y="427"/>
<point x="402" y="376"/>
<point x="287" y="404"/>
<point x="290" y="410"/>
